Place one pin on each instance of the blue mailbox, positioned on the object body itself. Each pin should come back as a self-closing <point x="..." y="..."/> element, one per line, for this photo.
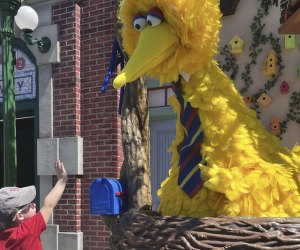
<point x="106" y="197"/>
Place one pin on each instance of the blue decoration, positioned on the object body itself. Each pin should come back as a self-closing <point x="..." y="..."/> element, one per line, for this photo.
<point x="116" y="59"/>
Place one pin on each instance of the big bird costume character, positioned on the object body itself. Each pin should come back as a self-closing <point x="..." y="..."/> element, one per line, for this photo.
<point x="224" y="162"/>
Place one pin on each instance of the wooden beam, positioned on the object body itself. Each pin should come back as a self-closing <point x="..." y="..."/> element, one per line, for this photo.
<point x="292" y="25"/>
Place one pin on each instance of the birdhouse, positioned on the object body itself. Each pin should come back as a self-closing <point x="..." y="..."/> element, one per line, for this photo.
<point x="284" y="88"/>
<point x="270" y="66"/>
<point x="290" y="41"/>
<point x="248" y="100"/>
<point x="275" y="126"/>
<point x="264" y="100"/>
<point x="237" y="45"/>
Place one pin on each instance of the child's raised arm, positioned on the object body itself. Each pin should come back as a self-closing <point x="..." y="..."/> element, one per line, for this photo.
<point x="55" y="194"/>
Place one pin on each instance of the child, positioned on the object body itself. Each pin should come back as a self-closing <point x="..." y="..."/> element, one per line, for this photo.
<point x="20" y="225"/>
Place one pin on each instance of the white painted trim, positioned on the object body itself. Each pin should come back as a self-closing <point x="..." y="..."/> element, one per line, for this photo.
<point x="67" y="149"/>
<point x="70" y="241"/>
<point x="49" y="237"/>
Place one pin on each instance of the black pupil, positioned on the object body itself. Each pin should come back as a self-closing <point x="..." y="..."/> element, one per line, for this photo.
<point x="137" y="26"/>
<point x="149" y="22"/>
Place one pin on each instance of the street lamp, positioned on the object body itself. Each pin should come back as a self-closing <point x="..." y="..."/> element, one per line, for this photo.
<point x="9" y="9"/>
<point x="27" y="20"/>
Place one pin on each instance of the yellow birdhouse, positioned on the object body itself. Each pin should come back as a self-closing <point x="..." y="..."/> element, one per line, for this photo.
<point x="237" y="45"/>
<point x="270" y="66"/>
<point x="264" y="100"/>
<point x="275" y="126"/>
<point x="290" y="41"/>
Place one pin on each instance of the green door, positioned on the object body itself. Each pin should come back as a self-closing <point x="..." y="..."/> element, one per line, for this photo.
<point x="25" y="152"/>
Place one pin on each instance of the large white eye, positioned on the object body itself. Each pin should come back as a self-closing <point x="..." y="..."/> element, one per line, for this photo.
<point x="153" y="21"/>
<point x="140" y="22"/>
<point x="155" y="17"/>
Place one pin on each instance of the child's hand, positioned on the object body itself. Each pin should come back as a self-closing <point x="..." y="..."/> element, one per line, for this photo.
<point x="55" y="194"/>
<point x="60" y="170"/>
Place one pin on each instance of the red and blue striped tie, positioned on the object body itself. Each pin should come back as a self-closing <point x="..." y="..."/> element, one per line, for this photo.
<point x="189" y="178"/>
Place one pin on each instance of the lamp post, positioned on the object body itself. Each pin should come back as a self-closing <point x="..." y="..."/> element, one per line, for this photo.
<point x="9" y="9"/>
<point x="27" y="20"/>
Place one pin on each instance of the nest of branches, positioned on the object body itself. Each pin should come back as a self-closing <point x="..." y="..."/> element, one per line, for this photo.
<point x="136" y="230"/>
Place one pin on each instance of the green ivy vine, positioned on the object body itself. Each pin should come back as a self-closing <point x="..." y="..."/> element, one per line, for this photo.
<point x="294" y="104"/>
<point x="258" y="40"/>
<point x="230" y="66"/>
<point x="294" y="112"/>
<point x="283" y="4"/>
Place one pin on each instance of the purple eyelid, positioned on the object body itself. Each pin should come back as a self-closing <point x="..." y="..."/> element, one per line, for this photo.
<point x="156" y="12"/>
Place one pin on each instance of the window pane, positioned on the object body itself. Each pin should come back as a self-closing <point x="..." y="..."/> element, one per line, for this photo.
<point x="156" y="98"/>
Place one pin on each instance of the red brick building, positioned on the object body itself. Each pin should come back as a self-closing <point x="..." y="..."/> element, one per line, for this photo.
<point x="67" y="115"/>
<point x="80" y="109"/>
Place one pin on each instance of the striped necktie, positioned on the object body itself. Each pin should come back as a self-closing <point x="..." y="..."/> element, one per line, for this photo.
<point x="189" y="179"/>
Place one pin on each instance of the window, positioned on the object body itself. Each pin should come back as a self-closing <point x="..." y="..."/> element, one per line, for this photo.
<point x="158" y="97"/>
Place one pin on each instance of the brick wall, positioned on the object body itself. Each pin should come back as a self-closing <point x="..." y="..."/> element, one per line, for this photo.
<point x="80" y="109"/>
<point x="67" y="105"/>
<point x="67" y="84"/>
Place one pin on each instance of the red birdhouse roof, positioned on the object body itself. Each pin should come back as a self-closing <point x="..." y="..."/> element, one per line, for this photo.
<point x="284" y="85"/>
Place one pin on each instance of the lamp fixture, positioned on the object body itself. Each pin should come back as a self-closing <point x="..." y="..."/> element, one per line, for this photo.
<point x="27" y="20"/>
